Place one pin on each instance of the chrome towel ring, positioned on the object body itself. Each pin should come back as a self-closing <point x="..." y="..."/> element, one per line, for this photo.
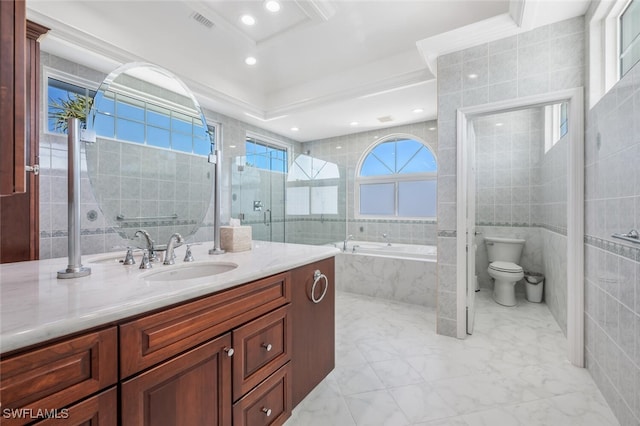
<point x="317" y="276"/>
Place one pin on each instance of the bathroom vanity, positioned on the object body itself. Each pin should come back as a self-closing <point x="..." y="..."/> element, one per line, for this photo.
<point x="241" y="347"/>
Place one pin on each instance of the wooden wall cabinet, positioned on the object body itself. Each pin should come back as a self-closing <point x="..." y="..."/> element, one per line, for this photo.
<point x="13" y="95"/>
<point x="19" y="132"/>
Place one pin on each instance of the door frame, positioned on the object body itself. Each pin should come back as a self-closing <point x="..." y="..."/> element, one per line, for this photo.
<point x="575" y="207"/>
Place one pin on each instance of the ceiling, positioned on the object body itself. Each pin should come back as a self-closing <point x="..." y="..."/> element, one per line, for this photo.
<point x="321" y="65"/>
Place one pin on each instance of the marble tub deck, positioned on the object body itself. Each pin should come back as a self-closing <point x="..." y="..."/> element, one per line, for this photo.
<point x="393" y="369"/>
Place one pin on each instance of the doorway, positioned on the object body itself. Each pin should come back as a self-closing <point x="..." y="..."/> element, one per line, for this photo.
<point x="466" y="217"/>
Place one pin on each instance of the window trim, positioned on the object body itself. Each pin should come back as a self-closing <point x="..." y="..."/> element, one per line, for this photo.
<point x="48" y="72"/>
<point x="620" y="52"/>
<point x="273" y="142"/>
<point x="604" y="48"/>
<point x="358" y="180"/>
<point x="553" y="124"/>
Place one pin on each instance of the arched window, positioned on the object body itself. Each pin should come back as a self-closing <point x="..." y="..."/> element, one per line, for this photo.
<point x="397" y="178"/>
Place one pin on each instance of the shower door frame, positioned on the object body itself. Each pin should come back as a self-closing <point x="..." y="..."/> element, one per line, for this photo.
<point x="575" y="207"/>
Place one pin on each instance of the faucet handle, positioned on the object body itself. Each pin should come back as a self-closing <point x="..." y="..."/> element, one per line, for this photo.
<point x="145" y="263"/>
<point x="128" y="258"/>
<point x="188" y="256"/>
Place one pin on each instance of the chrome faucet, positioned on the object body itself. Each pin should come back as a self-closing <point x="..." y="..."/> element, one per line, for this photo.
<point x="175" y="240"/>
<point x="386" y="238"/>
<point x="344" y="244"/>
<point x="150" y="244"/>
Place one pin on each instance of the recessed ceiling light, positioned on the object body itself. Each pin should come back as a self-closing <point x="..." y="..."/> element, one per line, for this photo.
<point x="432" y="128"/>
<point x="232" y="146"/>
<point x="353" y="123"/>
<point x="418" y="110"/>
<point x="250" y="60"/>
<point x="248" y="20"/>
<point x="499" y="124"/>
<point x="338" y="147"/>
<point x="272" y="5"/>
<point x="473" y="76"/>
<point x="294" y="129"/>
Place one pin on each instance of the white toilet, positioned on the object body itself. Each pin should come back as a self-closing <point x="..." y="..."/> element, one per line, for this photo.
<point x="504" y="255"/>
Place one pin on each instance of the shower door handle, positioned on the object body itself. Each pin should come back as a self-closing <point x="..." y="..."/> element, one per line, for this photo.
<point x="267" y="222"/>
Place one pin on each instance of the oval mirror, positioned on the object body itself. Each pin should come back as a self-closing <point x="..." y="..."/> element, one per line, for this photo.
<point x="149" y="166"/>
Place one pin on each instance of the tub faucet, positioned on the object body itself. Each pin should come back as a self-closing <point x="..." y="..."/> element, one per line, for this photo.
<point x="344" y="244"/>
<point x="386" y="238"/>
<point x="175" y="240"/>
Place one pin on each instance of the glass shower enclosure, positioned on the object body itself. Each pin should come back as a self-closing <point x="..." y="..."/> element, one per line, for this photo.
<point x="302" y="201"/>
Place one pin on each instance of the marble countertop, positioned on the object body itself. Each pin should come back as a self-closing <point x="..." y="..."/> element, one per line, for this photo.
<point x="35" y="306"/>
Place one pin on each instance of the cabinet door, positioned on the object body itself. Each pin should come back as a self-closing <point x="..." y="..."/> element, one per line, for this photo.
<point x="313" y="352"/>
<point x="193" y="388"/>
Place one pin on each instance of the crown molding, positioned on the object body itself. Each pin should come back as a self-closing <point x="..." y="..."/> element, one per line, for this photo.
<point x="317" y="10"/>
<point x="521" y="17"/>
<point x="491" y="29"/>
<point x="397" y="82"/>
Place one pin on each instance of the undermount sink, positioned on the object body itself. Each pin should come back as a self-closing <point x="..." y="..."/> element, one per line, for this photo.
<point x="187" y="272"/>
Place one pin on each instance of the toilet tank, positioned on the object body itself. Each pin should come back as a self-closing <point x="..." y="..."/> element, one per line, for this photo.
<point x="504" y="249"/>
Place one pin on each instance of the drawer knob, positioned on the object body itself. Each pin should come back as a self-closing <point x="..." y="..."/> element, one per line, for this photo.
<point x="267" y="346"/>
<point x="266" y="411"/>
<point x="229" y="351"/>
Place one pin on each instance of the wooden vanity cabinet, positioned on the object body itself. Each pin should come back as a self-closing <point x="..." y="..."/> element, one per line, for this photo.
<point x="244" y="356"/>
<point x="51" y="379"/>
<point x="313" y="356"/>
<point x="206" y="354"/>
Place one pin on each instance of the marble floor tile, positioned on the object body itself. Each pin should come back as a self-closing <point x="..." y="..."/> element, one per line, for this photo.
<point x="376" y="408"/>
<point x="420" y="402"/>
<point x="393" y="369"/>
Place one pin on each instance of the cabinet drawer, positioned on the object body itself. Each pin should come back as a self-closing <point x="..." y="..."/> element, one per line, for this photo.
<point x="261" y="347"/>
<point x="267" y="404"/>
<point x="100" y="410"/>
<point x="59" y="374"/>
<point x="149" y="340"/>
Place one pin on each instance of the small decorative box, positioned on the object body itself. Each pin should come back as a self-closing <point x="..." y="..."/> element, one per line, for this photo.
<point x="235" y="238"/>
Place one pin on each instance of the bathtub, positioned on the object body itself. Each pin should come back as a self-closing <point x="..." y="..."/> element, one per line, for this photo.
<point x="401" y="272"/>
<point x="400" y="251"/>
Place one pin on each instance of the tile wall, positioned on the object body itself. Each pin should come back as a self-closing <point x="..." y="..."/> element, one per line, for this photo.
<point x="612" y="266"/>
<point x="509" y="150"/>
<point x="546" y="59"/>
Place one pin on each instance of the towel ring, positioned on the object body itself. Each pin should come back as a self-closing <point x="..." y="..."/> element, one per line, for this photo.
<point x="317" y="276"/>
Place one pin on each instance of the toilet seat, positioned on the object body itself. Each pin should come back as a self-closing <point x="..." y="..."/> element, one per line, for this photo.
<point x="508" y="267"/>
